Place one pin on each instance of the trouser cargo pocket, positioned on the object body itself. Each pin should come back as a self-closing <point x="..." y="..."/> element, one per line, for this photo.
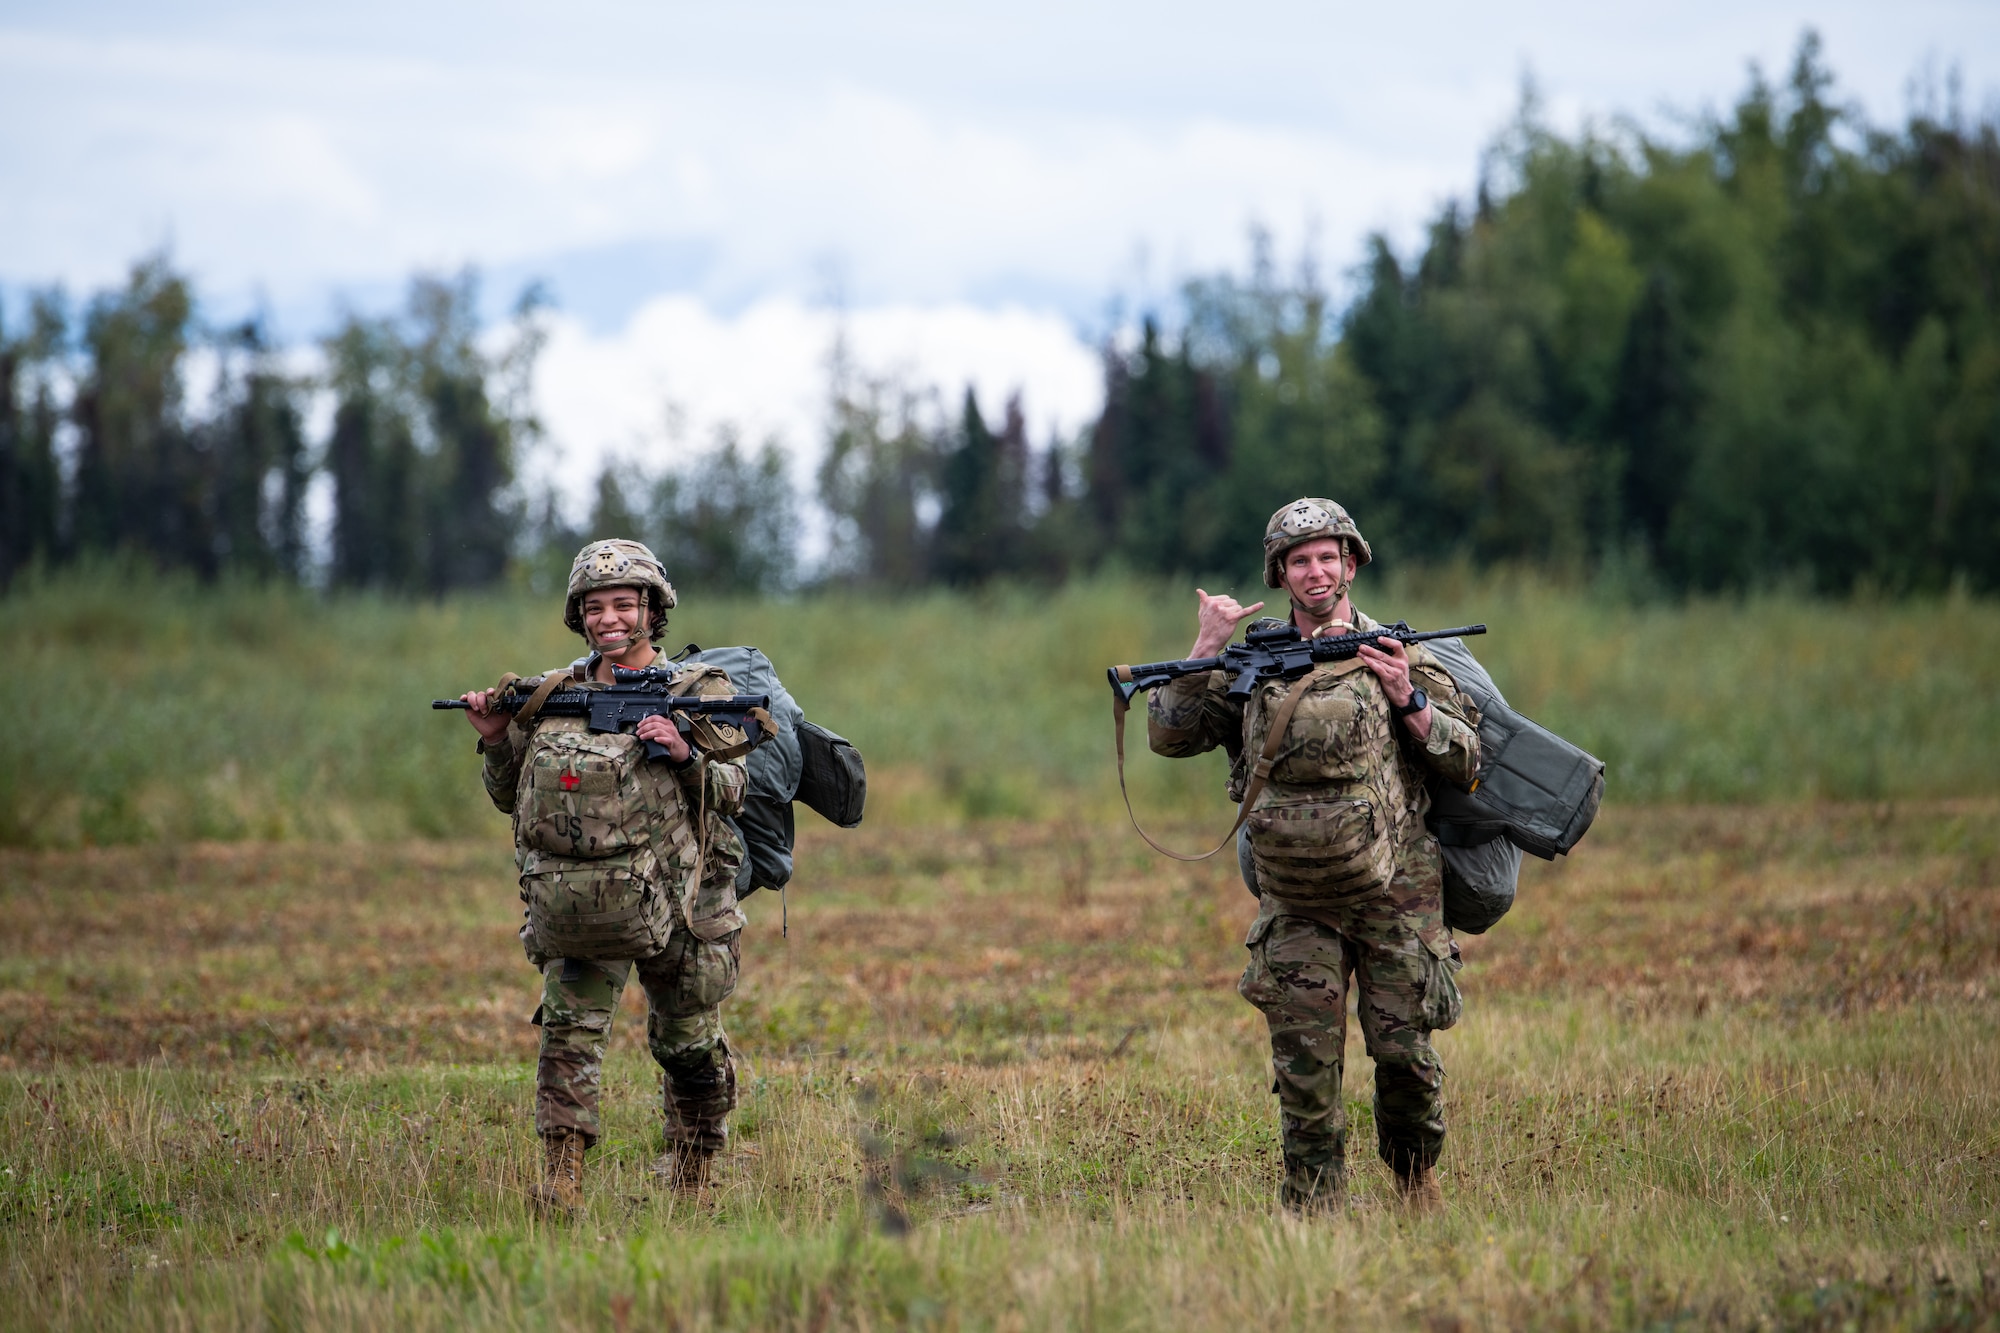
<point x="1442" y="1005"/>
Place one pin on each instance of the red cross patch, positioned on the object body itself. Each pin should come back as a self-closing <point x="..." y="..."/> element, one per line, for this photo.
<point x="569" y="781"/>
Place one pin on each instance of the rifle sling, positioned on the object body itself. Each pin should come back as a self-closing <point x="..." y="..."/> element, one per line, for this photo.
<point x="1260" y="772"/>
<point x="526" y="712"/>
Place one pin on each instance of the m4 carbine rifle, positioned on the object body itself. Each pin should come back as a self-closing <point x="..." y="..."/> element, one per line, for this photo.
<point x="633" y="696"/>
<point x="1278" y="653"/>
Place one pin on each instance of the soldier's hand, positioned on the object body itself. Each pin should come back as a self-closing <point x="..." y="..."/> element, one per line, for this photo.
<point x="1216" y="621"/>
<point x="658" y="728"/>
<point x="488" y="721"/>
<point x="1391" y="665"/>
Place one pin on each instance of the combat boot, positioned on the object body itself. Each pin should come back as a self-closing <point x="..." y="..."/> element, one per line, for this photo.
<point x="1313" y="1191"/>
<point x="1419" y="1190"/>
<point x="560" y="1194"/>
<point x="685" y="1167"/>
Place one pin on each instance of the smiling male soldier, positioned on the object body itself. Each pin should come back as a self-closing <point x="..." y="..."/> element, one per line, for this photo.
<point x="1349" y="882"/>
<point x="623" y="859"/>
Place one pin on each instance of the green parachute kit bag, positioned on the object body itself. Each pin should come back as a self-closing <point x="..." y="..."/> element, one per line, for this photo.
<point x="801" y="762"/>
<point x="1535" y="793"/>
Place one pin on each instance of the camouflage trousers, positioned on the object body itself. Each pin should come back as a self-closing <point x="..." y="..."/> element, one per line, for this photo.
<point x="685" y="986"/>
<point x="1394" y="947"/>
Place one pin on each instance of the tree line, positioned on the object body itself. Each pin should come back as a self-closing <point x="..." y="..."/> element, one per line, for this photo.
<point x="102" y="452"/>
<point x="1767" y="353"/>
<point x="1765" y="350"/>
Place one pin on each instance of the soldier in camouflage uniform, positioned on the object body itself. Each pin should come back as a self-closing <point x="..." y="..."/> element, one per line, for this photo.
<point x="623" y="860"/>
<point x="1350" y="882"/>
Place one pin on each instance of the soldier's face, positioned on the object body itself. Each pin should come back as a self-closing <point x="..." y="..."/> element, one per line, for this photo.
<point x="1316" y="572"/>
<point x="614" y="618"/>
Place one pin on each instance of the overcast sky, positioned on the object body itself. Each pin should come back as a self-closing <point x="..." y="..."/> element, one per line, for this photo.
<point x="977" y="184"/>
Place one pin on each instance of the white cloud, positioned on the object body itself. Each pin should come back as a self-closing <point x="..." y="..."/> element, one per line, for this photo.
<point x="291" y="160"/>
<point x="656" y="390"/>
<point x="938" y="157"/>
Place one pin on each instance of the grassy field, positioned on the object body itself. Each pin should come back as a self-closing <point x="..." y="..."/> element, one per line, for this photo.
<point x="264" y="1057"/>
<point x="1725" y="1067"/>
<point x="173" y="714"/>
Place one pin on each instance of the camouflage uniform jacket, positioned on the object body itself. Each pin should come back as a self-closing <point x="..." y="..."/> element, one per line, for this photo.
<point x="672" y="799"/>
<point x="1341" y="736"/>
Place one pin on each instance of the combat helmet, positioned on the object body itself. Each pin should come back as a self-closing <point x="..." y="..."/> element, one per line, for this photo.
<point x="619" y="563"/>
<point x="1302" y="521"/>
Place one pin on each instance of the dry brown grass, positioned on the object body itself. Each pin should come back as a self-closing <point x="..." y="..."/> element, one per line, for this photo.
<point x="1008" y="939"/>
<point x="1730" y="1066"/>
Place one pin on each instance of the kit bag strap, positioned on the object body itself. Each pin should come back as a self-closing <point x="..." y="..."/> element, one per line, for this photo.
<point x="1260" y="772"/>
<point x="766" y="728"/>
<point x="700" y="829"/>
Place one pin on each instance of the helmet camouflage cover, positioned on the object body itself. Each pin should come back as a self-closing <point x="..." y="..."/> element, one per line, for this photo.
<point x="1303" y="521"/>
<point x="618" y="563"/>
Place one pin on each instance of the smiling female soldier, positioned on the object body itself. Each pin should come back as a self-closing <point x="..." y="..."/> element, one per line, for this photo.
<point x="1349" y="881"/>
<point x="623" y="860"/>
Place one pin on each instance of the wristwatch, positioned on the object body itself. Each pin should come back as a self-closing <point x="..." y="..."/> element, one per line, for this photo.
<point x="1419" y="701"/>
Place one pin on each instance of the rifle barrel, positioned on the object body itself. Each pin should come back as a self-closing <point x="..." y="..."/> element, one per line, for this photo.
<point x="685" y="703"/>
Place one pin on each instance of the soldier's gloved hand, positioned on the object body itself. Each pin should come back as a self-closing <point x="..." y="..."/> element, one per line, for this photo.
<point x="1216" y="622"/>
<point x="490" y="723"/>
<point x="657" y="728"/>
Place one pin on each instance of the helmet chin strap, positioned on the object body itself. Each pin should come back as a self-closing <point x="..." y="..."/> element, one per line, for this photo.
<point x="1340" y="588"/>
<point x="611" y="647"/>
<point x="607" y="647"/>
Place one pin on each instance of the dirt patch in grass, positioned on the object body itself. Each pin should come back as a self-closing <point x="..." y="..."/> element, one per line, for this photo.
<point x="986" y="944"/>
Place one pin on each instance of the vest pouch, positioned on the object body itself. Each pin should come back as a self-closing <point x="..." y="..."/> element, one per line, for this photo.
<point x="596" y="912"/>
<point x="581" y="797"/>
<point x="1320" y="851"/>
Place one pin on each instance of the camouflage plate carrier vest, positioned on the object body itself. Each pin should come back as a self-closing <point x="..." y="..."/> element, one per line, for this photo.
<point x="1327" y="825"/>
<point x="604" y="840"/>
